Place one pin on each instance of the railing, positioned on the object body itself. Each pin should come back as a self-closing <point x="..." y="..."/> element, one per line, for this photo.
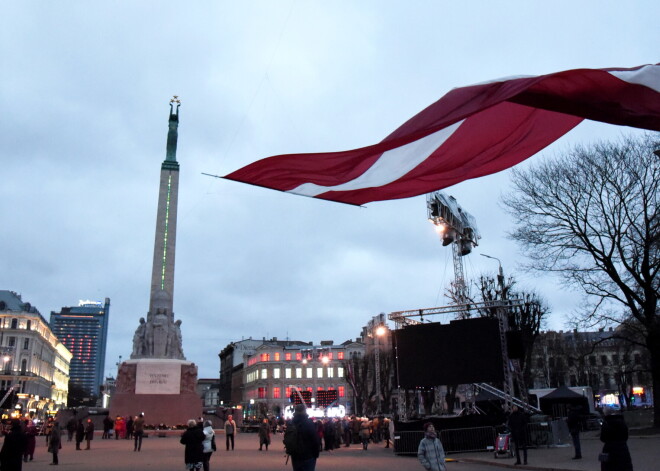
<point x="460" y="440"/>
<point x="463" y="440"/>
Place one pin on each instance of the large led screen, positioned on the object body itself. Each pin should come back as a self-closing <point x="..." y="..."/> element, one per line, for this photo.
<point x="461" y="352"/>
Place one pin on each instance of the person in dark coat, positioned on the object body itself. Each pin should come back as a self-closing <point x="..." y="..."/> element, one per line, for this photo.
<point x="309" y="438"/>
<point x="107" y="426"/>
<point x="573" y="422"/>
<point x="517" y="423"/>
<point x="89" y="433"/>
<point x="614" y="435"/>
<point x="31" y="435"/>
<point x="80" y="433"/>
<point x="55" y="442"/>
<point x="71" y="426"/>
<point x="264" y="434"/>
<point x="11" y="455"/>
<point x="193" y="439"/>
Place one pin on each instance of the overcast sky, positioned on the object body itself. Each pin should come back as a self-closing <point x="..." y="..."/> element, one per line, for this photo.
<point x="84" y="94"/>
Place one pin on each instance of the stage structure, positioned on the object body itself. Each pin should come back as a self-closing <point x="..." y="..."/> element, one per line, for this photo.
<point x="157" y="380"/>
<point x="458" y="228"/>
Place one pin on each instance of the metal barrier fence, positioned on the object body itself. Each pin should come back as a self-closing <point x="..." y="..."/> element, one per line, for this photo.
<point x="539" y="434"/>
<point x="453" y="440"/>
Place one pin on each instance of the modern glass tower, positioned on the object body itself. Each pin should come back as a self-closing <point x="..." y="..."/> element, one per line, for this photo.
<point x="83" y="329"/>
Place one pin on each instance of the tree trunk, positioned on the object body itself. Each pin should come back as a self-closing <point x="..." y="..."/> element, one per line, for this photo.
<point x="653" y="343"/>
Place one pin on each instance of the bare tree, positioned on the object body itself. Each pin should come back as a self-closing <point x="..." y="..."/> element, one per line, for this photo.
<point x="592" y="217"/>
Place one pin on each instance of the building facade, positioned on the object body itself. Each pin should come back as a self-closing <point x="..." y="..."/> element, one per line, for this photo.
<point x="275" y="375"/>
<point x="35" y="363"/>
<point x="83" y="329"/>
<point x="617" y="371"/>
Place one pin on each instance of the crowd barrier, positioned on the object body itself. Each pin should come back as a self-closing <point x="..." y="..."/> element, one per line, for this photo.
<point x="453" y="440"/>
<point x="463" y="440"/>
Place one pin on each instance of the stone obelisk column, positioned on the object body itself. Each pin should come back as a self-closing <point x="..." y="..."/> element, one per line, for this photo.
<point x="157" y="380"/>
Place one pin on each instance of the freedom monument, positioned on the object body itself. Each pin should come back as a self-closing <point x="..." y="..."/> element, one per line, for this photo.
<point x="157" y="380"/>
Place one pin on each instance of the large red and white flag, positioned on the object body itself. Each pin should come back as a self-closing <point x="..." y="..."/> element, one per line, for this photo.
<point x="470" y="132"/>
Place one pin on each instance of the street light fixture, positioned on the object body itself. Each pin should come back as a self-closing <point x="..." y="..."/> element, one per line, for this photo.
<point x="378" y="332"/>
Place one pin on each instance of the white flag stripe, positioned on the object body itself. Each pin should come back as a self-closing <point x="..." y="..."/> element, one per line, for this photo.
<point x="390" y="166"/>
<point x="648" y="76"/>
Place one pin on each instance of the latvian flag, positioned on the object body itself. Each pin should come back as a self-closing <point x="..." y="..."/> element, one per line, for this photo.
<point x="470" y="132"/>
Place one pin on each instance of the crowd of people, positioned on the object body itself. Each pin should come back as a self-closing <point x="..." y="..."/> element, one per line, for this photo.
<point x="312" y="436"/>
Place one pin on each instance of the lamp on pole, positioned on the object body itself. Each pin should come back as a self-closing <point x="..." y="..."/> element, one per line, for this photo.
<point x="378" y="331"/>
<point x="500" y="275"/>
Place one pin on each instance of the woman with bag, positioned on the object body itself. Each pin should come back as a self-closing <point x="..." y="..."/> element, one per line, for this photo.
<point x="208" y="443"/>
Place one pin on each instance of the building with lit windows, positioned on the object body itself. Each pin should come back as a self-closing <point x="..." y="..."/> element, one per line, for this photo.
<point x="273" y="375"/>
<point x="35" y="364"/>
<point x="83" y="329"/>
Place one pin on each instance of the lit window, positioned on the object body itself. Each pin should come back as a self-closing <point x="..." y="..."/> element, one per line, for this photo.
<point x="287" y="356"/>
<point x="277" y="356"/>
<point x="276" y="393"/>
<point x="276" y="373"/>
<point x="299" y="373"/>
<point x="287" y="373"/>
<point x="341" y="391"/>
<point x="265" y="357"/>
<point x="299" y="356"/>
<point x="330" y="371"/>
<point x="262" y="393"/>
<point x="264" y="373"/>
<point x="340" y="372"/>
<point x="288" y="392"/>
<point x="310" y="373"/>
<point x="340" y="355"/>
<point x="319" y="372"/>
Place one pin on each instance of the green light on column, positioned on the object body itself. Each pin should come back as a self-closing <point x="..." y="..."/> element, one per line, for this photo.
<point x="167" y="222"/>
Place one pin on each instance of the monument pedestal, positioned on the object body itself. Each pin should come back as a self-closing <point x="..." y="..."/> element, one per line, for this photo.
<point x="162" y="389"/>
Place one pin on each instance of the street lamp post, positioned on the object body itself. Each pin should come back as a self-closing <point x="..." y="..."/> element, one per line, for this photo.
<point x="378" y="332"/>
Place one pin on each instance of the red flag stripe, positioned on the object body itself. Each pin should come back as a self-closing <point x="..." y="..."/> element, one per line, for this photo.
<point x="470" y="132"/>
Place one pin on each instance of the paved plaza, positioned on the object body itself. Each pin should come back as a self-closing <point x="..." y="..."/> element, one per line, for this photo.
<point x="166" y="454"/>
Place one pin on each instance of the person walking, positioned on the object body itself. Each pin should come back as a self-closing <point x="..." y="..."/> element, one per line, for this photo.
<point x="31" y="435"/>
<point x="11" y="454"/>
<point x="71" y="427"/>
<point x="49" y="428"/>
<point x="230" y="429"/>
<point x="193" y="439"/>
<point x="430" y="451"/>
<point x="614" y="435"/>
<point x="388" y="430"/>
<point x="138" y="432"/>
<point x="301" y="440"/>
<point x="107" y="426"/>
<point x="348" y="436"/>
<point x="55" y="443"/>
<point x="129" y="428"/>
<point x="264" y="434"/>
<point x="573" y="423"/>
<point x="89" y="433"/>
<point x="208" y="444"/>
<point x="517" y="423"/>
<point x="80" y="433"/>
<point x="365" y="433"/>
<point x="120" y="427"/>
